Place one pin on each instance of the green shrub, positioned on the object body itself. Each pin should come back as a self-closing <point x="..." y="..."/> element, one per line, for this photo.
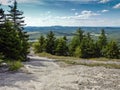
<point x="15" y="65"/>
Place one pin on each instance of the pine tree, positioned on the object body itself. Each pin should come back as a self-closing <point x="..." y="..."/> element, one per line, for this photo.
<point x="87" y="48"/>
<point x="62" y="48"/>
<point x="2" y="17"/>
<point x="42" y="44"/>
<point x="76" y="41"/>
<point x="15" y="17"/>
<point x="102" y="41"/>
<point x="50" y="43"/>
<point x="112" y="50"/>
<point x="10" y="44"/>
<point x="2" y="21"/>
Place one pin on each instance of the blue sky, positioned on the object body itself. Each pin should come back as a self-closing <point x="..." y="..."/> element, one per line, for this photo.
<point x="69" y="12"/>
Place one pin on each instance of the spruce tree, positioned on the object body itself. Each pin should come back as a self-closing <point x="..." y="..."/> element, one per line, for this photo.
<point x="76" y="40"/>
<point x="102" y="41"/>
<point x="62" y="48"/>
<point x="87" y="48"/>
<point x="15" y="16"/>
<point x="112" y="50"/>
<point x="50" y="43"/>
<point x="42" y="44"/>
<point x="2" y="17"/>
<point x="2" y="21"/>
<point x="10" y="44"/>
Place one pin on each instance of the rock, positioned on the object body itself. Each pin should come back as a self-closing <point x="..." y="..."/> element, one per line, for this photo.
<point x="4" y="67"/>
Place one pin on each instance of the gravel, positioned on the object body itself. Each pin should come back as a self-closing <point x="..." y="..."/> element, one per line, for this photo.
<point x="45" y="74"/>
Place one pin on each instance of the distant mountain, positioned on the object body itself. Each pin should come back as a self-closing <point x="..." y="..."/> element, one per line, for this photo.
<point x="69" y="28"/>
<point x="34" y="32"/>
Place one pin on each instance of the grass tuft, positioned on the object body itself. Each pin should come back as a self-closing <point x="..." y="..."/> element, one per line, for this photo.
<point x="15" y="65"/>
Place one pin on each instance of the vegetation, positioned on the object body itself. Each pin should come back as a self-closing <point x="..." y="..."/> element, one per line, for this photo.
<point x="61" y="47"/>
<point x="15" y="65"/>
<point x="79" y="61"/>
<point x="112" y="50"/>
<point x="13" y="40"/>
<point x="82" y="45"/>
<point x="50" y="43"/>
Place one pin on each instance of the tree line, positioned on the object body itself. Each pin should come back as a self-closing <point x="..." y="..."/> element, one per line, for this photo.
<point x="13" y="40"/>
<point x="81" y="45"/>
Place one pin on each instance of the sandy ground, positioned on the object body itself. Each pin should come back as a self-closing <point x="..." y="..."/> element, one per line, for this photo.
<point x="45" y="74"/>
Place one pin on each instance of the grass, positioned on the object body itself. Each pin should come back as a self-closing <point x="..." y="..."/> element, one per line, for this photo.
<point x="72" y="61"/>
<point x="14" y="65"/>
<point x="1" y="60"/>
<point x="104" y="59"/>
<point x="115" y="66"/>
<point x="44" y="54"/>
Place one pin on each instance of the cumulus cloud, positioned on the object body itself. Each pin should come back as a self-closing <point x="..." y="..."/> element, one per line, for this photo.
<point x="117" y="6"/>
<point x="104" y="1"/>
<point x="85" y="14"/>
<point x="104" y="10"/>
<point x="88" y="13"/>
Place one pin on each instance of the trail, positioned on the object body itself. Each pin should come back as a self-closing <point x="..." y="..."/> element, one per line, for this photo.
<point x="45" y="74"/>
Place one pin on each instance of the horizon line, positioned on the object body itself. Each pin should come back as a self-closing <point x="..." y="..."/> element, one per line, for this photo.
<point x="69" y="26"/>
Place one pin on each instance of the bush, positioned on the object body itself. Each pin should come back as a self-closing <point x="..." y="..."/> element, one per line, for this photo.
<point x="77" y="52"/>
<point x="36" y="46"/>
<point x="15" y="65"/>
<point x="112" y="50"/>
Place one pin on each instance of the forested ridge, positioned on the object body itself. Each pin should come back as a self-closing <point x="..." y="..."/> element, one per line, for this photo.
<point x="81" y="45"/>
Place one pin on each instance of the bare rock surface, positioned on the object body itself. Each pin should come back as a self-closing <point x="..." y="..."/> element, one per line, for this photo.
<point x="45" y="74"/>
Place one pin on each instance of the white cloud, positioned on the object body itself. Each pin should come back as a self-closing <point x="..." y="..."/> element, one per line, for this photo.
<point x="104" y="1"/>
<point x="117" y="6"/>
<point x="76" y="13"/>
<point x="6" y="2"/>
<point x="104" y="10"/>
<point x="63" y="21"/>
<point x="73" y="9"/>
<point x="86" y="14"/>
<point x="9" y="2"/>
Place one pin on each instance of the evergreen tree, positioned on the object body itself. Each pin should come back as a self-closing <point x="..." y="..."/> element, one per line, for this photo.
<point x="50" y="43"/>
<point x="42" y="43"/>
<point x="62" y="48"/>
<point x="36" y="46"/>
<point x="16" y="18"/>
<point x="112" y="50"/>
<point x="76" y="40"/>
<point x="102" y="41"/>
<point x="2" y="17"/>
<point x="10" y="44"/>
<point x="87" y="48"/>
<point x="2" y="21"/>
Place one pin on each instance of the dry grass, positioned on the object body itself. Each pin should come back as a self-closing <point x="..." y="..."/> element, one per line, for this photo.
<point x="115" y="66"/>
<point x="72" y="60"/>
<point x="57" y="57"/>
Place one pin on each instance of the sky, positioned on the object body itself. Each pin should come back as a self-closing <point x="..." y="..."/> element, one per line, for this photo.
<point x="68" y="12"/>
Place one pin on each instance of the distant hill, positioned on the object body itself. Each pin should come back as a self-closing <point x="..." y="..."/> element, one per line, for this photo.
<point x="66" y="28"/>
<point x="34" y="32"/>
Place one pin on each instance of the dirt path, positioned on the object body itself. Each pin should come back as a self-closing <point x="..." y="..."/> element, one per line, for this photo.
<point x="46" y="74"/>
